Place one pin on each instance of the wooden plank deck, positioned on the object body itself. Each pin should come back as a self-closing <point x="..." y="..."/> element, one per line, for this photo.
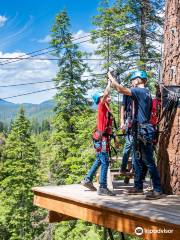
<point x="123" y="212"/>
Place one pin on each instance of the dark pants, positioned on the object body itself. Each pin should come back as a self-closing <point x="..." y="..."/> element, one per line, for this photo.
<point x="143" y="154"/>
<point x="102" y="159"/>
<point x="126" y="151"/>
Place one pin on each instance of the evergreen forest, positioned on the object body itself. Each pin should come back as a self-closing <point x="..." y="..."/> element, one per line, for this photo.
<point x="57" y="149"/>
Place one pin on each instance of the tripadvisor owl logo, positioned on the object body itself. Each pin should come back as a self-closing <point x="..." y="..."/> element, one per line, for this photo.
<point x="139" y="231"/>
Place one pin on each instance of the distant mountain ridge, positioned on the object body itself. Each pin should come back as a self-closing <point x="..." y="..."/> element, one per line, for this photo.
<point x="40" y="111"/>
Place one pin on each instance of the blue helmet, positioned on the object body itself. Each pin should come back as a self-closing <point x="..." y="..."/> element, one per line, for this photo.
<point x="139" y="74"/>
<point x="96" y="97"/>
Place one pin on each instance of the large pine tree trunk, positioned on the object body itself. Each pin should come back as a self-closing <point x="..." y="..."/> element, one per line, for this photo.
<point x="169" y="144"/>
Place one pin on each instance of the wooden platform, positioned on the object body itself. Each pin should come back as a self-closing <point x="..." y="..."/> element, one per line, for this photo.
<point x="123" y="212"/>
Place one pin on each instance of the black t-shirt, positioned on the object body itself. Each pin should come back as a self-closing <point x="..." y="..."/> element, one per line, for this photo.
<point x="127" y="103"/>
<point x="142" y="103"/>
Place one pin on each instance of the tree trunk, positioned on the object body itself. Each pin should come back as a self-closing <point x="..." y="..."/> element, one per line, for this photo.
<point x="169" y="144"/>
<point x="143" y="10"/>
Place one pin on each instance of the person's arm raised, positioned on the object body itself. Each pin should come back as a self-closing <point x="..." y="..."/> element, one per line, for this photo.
<point x="106" y="92"/>
<point x="119" y="87"/>
<point x="122" y="125"/>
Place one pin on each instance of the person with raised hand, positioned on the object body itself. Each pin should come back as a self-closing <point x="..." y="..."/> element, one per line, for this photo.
<point x="142" y="132"/>
<point x="101" y="140"/>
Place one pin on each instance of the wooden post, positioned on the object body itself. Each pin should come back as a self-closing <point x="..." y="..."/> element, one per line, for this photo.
<point x="169" y="144"/>
<point x="58" y="217"/>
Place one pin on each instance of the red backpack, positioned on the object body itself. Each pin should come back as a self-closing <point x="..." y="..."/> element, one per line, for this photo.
<point x="156" y="104"/>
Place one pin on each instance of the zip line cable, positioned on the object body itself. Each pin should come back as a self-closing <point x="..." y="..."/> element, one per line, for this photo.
<point x="23" y="55"/>
<point x="24" y="84"/>
<point x="38" y="53"/>
<point x="31" y="56"/>
<point x="29" y="93"/>
<point x="48" y="89"/>
<point x="42" y="49"/>
<point x="33" y="83"/>
<point x="34" y="92"/>
<point x="51" y="59"/>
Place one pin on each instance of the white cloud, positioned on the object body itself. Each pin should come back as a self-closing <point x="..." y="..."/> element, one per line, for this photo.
<point x="23" y="72"/>
<point x="37" y="70"/>
<point x="3" y="20"/>
<point x="85" y="46"/>
<point x="89" y="47"/>
<point x="95" y="64"/>
<point x="46" y="39"/>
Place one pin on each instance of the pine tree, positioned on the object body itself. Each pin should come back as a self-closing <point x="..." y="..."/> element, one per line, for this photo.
<point x="169" y="142"/>
<point x="72" y="89"/>
<point x="127" y="32"/>
<point x="146" y="22"/>
<point x="71" y="98"/>
<point x="110" y="33"/>
<point x="74" y="120"/>
<point x="19" y="173"/>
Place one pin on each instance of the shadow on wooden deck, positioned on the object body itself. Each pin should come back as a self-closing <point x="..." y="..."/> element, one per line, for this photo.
<point x="123" y="212"/>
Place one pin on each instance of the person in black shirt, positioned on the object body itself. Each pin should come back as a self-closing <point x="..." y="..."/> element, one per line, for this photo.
<point x="126" y="120"/>
<point x="142" y="145"/>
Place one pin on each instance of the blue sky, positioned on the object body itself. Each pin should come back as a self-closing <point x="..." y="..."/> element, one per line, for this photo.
<point x="35" y="18"/>
<point x="25" y="27"/>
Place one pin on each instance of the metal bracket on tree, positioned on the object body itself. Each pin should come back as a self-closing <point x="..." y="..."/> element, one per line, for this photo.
<point x="168" y="91"/>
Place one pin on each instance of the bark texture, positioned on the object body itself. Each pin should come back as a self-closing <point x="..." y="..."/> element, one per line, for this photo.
<point x="169" y="144"/>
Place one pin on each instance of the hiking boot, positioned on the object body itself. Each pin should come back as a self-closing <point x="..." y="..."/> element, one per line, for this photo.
<point x="88" y="184"/>
<point x="135" y="191"/>
<point x="152" y="195"/>
<point x="105" y="192"/>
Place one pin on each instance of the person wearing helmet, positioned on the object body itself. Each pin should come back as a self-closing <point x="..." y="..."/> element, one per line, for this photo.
<point x="142" y="132"/>
<point x="126" y="124"/>
<point x="101" y="142"/>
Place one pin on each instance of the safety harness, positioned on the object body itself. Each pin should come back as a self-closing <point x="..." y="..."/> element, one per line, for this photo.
<point x="168" y="112"/>
<point x="98" y="135"/>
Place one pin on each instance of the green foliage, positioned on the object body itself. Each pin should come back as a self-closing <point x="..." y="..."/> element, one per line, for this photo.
<point x="63" y="151"/>
<point x="78" y="230"/>
<point x="70" y="98"/>
<point x="73" y="153"/>
<point x="8" y="111"/>
<point x="127" y="35"/>
<point x="19" y="173"/>
<point x="75" y="230"/>
<point x="71" y="102"/>
<point x="44" y="145"/>
<point x="38" y="127"/>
